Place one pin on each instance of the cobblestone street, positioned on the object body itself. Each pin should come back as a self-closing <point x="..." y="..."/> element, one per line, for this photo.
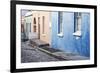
<point x="30" y="54"/>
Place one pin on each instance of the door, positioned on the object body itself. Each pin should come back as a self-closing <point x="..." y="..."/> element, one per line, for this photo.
<point x="44" y="26"/>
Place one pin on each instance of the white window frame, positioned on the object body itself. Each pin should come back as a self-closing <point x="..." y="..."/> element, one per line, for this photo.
<point x="78" y="24"/>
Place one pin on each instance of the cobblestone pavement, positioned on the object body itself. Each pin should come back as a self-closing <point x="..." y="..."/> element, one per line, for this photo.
<point x="30" y="54"/>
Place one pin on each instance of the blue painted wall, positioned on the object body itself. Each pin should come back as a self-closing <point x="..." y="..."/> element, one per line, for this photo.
<point x="68" y="42"/>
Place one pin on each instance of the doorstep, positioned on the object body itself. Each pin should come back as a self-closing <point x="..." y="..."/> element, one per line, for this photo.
<point x="38" y="43"/>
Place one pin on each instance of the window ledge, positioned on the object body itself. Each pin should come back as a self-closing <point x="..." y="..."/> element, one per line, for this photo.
<point x="77" y="33"/>
<point x="60" y="34"/>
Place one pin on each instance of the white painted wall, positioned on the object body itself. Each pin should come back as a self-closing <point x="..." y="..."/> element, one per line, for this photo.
<point x="5" y="38"/>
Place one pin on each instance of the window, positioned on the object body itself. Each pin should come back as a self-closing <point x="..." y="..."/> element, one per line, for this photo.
<point x="34" y="28"/>
<point x="60" y="20"/>
<point x="43" y="26"/>
<point x="60" y="16"/>
<point x="34" y="20"/>
<point x="78" y="20"/>
<point x="29" y="25"/>
<point x="22" y="27"/>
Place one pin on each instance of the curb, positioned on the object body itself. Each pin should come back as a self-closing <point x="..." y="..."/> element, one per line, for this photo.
<point x="58" y="57"/>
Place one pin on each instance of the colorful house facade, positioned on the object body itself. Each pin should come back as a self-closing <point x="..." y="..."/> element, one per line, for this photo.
<point x="67" y="31"/>
<point x="41" y="25"/>
<point x="37" y="25"/>
<point x="28" y="24"/>
<point x="71" y="32"/>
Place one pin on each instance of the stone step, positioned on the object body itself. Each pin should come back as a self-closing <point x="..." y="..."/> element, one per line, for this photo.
<point x="38" y="43"/>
